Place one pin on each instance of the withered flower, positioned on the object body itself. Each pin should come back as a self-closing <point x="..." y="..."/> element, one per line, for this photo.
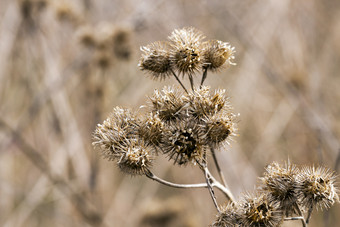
<point x="122" y="124"/>
<point x="134" y="156"/>
<point x="217" y="54"/>
<point x="156" y="60"/>
<point x="219" y="128"/>
<point x="317" y="188"/>
<point x="182" y="141"/>
<point x="229" y="217"/>
<point x="282" y="186"/>
<point x="203" y="104"/>
<point x="151" y="129"/>
<point x="168" y="104"/>
<point x="186" y="50"/>
<point x="257" y="211"/>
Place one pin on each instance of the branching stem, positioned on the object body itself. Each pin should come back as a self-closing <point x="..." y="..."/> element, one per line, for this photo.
<point x="303" y="221"/>
<point x="210" y="188"/>
<point x="179" y="81"/>
<point x="218" y="166"/>
<point x="191" y="82"/>
<point x="204" y="76"/>
<point x="310" y="210"/>
<point x="150" y="175"/>
<point x="214" y="183"/>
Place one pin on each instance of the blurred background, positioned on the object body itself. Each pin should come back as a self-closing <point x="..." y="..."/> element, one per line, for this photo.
<point x="65" y="64"/>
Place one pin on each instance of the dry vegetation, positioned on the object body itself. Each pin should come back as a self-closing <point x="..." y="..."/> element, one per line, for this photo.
<point x="65" y="64"/>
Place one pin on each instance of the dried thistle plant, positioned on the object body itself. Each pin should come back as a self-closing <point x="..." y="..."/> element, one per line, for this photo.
<point x="189" y="125"/>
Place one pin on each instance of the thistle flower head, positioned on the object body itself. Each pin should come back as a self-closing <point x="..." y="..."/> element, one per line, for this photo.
<point x="281" y="186"/>
<point x="186" y="49"/>
<point x="135" y="157"/>
<point x="119" y="126"/>
<point x="229" y="216"/>
<point x="167" y="104"/>
<point x="202" y="103"/>
<point x="318" y="187"/>
<point x="156" y="60"/>
<point x="219" y="128"/>
<point x="257" y="211"/>
<point x="151" y="129"/>
<point x="217" y="54"/>
<point x="182" y="141"/>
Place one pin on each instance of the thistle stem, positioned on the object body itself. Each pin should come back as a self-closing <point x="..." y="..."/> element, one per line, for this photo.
<point x="310" y="210"/>
<point x="191" y="82"/>
<point x="218" y="166"/>
<point x="294" y="218"/>
<point x="204" y="76"/>
<point x="179" y="81"/>
<point x="218" y="185"/>
<point x="214" y="183"/>
<point x="303" y="221"/>
<point x="150" y="175"/>
<point x="210" y="188"/>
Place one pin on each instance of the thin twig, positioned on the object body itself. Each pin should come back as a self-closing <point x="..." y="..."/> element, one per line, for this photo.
<point x="210" y="188"/>
<point x="303" y="221"/>
<point x="204" y="76"/>
<point x="191" y="82"/>
<point x="150" y="175"/>
<point x="214" y="183"/>
<point x="179" y="81"/>
<point x="310" y="210"/>
<point x="294" y="218"/>
<point x="218" y="166"/>
<point x="224" y="189"/>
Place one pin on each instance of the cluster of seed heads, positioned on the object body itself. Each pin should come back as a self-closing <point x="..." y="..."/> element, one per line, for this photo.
<point x="182" y="125"/>
<point x="186" y="52"/>
<point x="284" y="192"/>
<point x="189" y="125"/>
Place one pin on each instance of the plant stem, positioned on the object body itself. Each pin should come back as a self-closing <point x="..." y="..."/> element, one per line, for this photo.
<point x="150" y="175"/>
<point x="179" y="81"/>
<point x="209" y="182"/>
<point x="214" y="183"/>
<point x="224" y="189"/>
<point x="191" y="82"/>
<point x="303" y="221"/>
<point x="218" y="166"/>
<point x="204" y="76"/>
<point x="310" y="210"/>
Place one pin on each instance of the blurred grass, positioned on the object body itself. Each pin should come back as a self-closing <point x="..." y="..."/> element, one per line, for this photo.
<point x="54" y="89"/>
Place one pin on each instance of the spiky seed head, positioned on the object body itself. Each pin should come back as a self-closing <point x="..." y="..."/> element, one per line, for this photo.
<point x="182" y="141"/>
<point x="257" y="211"/>
<point x="282" y="186"/>
<point x="203" y="104"/>
<point x="186" y="50"/>
<point x="151" y="129"/>
<point x="217" y="54"/>
<point x="135" y="157"/>
<point x="156" y="60"/>
<point x="121" y="125"/>
<point x="219" y="128"/>
<point x="318" y="187"/>
<point x="168" y="104"/>
<point x="229" y="216"/>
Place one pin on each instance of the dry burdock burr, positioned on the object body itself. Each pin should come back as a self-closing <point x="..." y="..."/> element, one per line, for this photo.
<point x="188" y="125"/>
